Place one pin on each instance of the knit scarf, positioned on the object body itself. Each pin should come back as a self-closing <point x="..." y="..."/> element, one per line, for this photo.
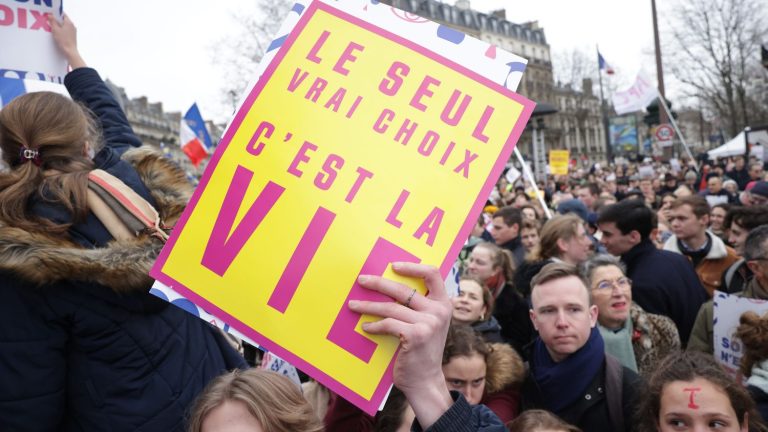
<point x="563" y="383"/>
<point x="619" y="344"/>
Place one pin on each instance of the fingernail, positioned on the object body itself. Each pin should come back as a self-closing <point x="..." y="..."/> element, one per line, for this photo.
<point x="365" y="326"/>
<point x="397" y="265"/>
<point x="363" y="278"/>
<point x="354" y="304"/>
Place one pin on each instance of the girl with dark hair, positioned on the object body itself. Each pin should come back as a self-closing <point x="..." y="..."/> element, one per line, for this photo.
<point x="484" y="373"/>
<point x="690" y="391"/>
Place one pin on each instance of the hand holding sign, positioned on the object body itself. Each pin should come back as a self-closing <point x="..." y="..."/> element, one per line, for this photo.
<point x="422" y="328"/>
<point x="65" y="35"/>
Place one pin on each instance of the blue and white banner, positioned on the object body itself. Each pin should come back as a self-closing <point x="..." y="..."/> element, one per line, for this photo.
<point x="727" y="310"/>
<point x="28" y="50"/>
<point x="11" y="88"/>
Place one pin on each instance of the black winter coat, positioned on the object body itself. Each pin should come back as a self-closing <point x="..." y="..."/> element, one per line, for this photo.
<point x="83" y="345"/>
<point x="665" y="283"/>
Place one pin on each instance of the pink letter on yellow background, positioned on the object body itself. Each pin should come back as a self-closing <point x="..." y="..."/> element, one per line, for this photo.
<point x="283" y="222"/>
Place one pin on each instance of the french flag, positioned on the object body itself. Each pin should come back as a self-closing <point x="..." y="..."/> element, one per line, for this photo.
<point x="604" y="64"/>
<point x="11" y="88"/>
<point x="194" y="138"/>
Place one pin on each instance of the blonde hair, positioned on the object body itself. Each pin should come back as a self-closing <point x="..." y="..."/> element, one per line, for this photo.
<point x="271" y="398"/>
<point x="562" y="227"/>
<point x="502" y="259"/>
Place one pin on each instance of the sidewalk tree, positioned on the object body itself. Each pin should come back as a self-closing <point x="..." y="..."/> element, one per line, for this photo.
<point x="713" y="49"/>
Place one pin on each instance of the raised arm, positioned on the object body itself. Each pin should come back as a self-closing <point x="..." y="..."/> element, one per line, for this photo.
<point x="65" y="35"/>
<point x="85" y="85"/>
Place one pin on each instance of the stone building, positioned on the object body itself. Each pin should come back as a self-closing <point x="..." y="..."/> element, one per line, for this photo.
<point x="577" y="126"/>
<point x="579" y="122"/>
<point x="160" y="129"/>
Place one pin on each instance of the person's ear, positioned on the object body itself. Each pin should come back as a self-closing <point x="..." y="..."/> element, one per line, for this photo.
<point x="593" y="312"/>
<point x="532" y="316"/>
<point x="562" y="245"/>
<point x="754" y="267"/>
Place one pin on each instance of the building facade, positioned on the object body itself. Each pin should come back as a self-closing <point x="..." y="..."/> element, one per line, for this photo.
<point x="577" y="126"/>
<point x="160" y="129"/>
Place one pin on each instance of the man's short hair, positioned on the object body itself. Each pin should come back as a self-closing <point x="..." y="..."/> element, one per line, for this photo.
<point x="594" y="189"/>
<point x="510" y="215"/>
<point x="630" y="215"/>
<point x="698" y="204"/>
<point x="530" y="224"/>
<point x="754" y="246"/>
<point x="748" y="218"/>
<point x="554" y="271"/>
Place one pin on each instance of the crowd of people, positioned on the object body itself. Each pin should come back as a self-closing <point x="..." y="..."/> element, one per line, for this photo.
<point x="597" y="319"/>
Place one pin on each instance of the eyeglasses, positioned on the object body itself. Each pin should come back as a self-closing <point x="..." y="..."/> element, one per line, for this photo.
<point x="623" y="283"/>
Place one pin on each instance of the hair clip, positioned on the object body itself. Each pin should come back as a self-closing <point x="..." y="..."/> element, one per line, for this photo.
<point x="28" y="154"/>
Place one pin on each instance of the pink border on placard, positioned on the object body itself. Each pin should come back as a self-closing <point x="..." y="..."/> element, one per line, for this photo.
<point x="369" y="406"/>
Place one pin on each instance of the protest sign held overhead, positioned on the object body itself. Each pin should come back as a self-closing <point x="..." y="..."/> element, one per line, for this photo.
<point x="358" y="146"/>
<point x="635" y="98"/>
<point x="558" y="162"/>
<point x="727" y="310"/>
<point x="33" y="54"/>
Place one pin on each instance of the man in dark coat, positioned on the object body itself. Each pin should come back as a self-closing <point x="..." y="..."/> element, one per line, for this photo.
<point x="663" y="282"/>
<point x="506" y="232"/>
<point x="569" y="372"/>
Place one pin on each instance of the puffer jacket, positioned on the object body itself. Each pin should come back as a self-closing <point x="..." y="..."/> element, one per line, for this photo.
<point x="83" y="345"/>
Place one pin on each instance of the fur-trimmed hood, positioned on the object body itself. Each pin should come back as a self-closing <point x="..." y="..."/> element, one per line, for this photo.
<point x="504" y="368"/>
<point x="43" y="259"/>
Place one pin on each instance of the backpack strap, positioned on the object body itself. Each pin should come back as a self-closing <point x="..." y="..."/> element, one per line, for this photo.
<point x="123" y="212"/>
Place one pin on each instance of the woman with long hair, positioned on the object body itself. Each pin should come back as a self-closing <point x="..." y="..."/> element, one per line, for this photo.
<point x="494" y="266"/>
<point x="84" y="345"/>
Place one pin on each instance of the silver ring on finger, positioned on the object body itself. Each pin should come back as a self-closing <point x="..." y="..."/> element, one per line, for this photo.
<point x="410" y="297"/>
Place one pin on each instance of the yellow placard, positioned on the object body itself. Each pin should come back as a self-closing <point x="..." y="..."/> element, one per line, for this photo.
<point x="355" y="149"/>
<point x="558" y="162"/>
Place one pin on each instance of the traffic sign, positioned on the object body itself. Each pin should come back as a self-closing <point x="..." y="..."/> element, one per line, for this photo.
<point x="664" y="132"/>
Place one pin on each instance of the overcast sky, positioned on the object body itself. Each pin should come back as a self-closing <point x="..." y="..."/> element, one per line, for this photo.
<point x="164" y="49"/>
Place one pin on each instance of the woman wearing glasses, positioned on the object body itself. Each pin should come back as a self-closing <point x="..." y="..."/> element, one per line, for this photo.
<point x="637" y="338"/>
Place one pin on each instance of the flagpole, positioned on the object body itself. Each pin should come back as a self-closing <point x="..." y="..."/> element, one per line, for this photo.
<point x="529" y="174"/>
<point x="603" y="110"/>
<point x="677" y="130"/>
